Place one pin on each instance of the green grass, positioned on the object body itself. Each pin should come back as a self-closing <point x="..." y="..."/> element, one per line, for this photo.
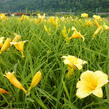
<point x="43" y="52"/>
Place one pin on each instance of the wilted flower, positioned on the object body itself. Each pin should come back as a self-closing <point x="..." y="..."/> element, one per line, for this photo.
<point x="85" y="15"/>
<point x="13" y="80"/>
<point x="36" y="79"/>
<point x="3" y="91"/>
<point x="91" y="83"/>
<point x="6" y="45"/>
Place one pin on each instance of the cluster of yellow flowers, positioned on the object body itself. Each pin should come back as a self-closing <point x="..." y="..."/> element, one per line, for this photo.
<point x="56" y="21"/>
<point x="5" y="44"/>
<point x="19" y="45"/>
<point x="24" y="17"/>
<point x="90" y="82"/>
<point x="95" y="21"/>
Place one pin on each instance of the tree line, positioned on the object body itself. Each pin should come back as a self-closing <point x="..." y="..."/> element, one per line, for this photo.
<point x="55" y="5"/>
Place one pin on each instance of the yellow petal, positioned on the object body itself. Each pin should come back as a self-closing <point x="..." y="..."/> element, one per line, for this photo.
<point x="96" y="17"/>
<point x="73" y="61"/>
<point x="6" y="45"/>
<point x="3" y="16"/>
<point x="86" y="75"/>
<point x="106" y="27"/>
<point x="102" y="78"/>
<point x="77" y="35"/>
<point x="19" y="46"/>
<point x="36" y="79"/>
<point x="13" y="80"/>
<point x="88" y="23"/>
<point x="1" y="39"/>
<point x="98" y="92"/>
<point x="96" y="23"/>
<point x="82" y="93"/>
<point x="1" y="44"/>
<point x="91" y="83"/>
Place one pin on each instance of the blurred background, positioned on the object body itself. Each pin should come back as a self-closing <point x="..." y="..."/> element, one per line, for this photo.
<point x="49" y="6"/>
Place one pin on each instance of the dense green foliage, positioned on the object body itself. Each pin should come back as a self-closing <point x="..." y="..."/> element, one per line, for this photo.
<point x="55" y="5"/>
<point x="43" y="52"/>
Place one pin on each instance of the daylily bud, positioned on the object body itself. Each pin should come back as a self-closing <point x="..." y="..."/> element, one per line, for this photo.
<point x="6" y="45"/>
<point x="36" y="79"/>
<point x="13" y="80"/>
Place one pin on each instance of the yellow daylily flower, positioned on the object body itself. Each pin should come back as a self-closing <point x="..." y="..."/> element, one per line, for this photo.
<point x="96" y="23"/>
<point x="91" y="83"/>
<point x="1" y="42"/>
<point x="53" y="20"/>
<point x="3" y="91"/>
<point x="13" y="80"/>
<point x="106" y="27"/>
<point x="74" y="62"/>
<point x="6" y="45"/>
<point x="40" y="18"/>
<point x="19" y="46"/>
<point x="85" y="15"/>
<point x="62" y="19"/>
<point x="16" y="38"/>
<point x="97" y="31"/>
<point x="97" y="17"/>
<point x="24" y="17"/>
<point x="76" y="34"/>
<point x="36" y="79"/>
<point x="3" y="16"/>
<point x="88" y="23"/>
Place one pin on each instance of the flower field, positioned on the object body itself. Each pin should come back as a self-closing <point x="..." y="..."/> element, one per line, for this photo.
<point x="54" y="62"/>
